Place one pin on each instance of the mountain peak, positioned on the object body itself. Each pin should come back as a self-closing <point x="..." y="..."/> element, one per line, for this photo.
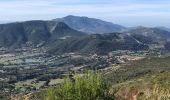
<point x="90" y="25"/>
<point x="70" y="16"/>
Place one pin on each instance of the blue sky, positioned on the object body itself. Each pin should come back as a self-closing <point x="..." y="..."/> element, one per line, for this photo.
<point x="124" y="12"/>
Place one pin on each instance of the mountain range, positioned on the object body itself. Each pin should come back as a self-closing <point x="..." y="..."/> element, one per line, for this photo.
<point x="62" y="38"/>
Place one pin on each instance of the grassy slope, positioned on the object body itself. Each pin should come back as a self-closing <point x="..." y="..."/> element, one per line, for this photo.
<point x="147" y="79"/>
<point x="137" y="69"/>
<point x="154" y="87"/>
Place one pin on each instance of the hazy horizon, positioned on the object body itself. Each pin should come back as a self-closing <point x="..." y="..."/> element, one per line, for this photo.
<point x="128" y="13"/>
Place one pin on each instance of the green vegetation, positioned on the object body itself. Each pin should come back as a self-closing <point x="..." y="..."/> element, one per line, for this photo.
<point x="137" y="69"/>
<point x="97" y="43"/>
<point x="152" y="87"/>
<point x="90" y="86"/>
<point x="146" y="79"/>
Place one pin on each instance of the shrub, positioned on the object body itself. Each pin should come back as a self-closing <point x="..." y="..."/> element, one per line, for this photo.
<point x="89" y="86"/>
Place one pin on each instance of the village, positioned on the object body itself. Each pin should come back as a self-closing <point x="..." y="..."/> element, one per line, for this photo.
<point x="25" y="70"/>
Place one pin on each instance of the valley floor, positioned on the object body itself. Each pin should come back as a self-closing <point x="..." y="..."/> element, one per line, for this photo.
<point x="33" y="71"/>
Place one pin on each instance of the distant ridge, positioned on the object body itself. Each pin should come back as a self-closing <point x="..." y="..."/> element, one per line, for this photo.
<point x="149" y="35"/>
<point x="98" y="43"/>
<point x="164" y="28"/>
<point x="90" y="25"/>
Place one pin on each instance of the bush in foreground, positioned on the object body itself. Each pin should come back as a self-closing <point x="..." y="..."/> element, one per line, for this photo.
<point x="89" y="86"/>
